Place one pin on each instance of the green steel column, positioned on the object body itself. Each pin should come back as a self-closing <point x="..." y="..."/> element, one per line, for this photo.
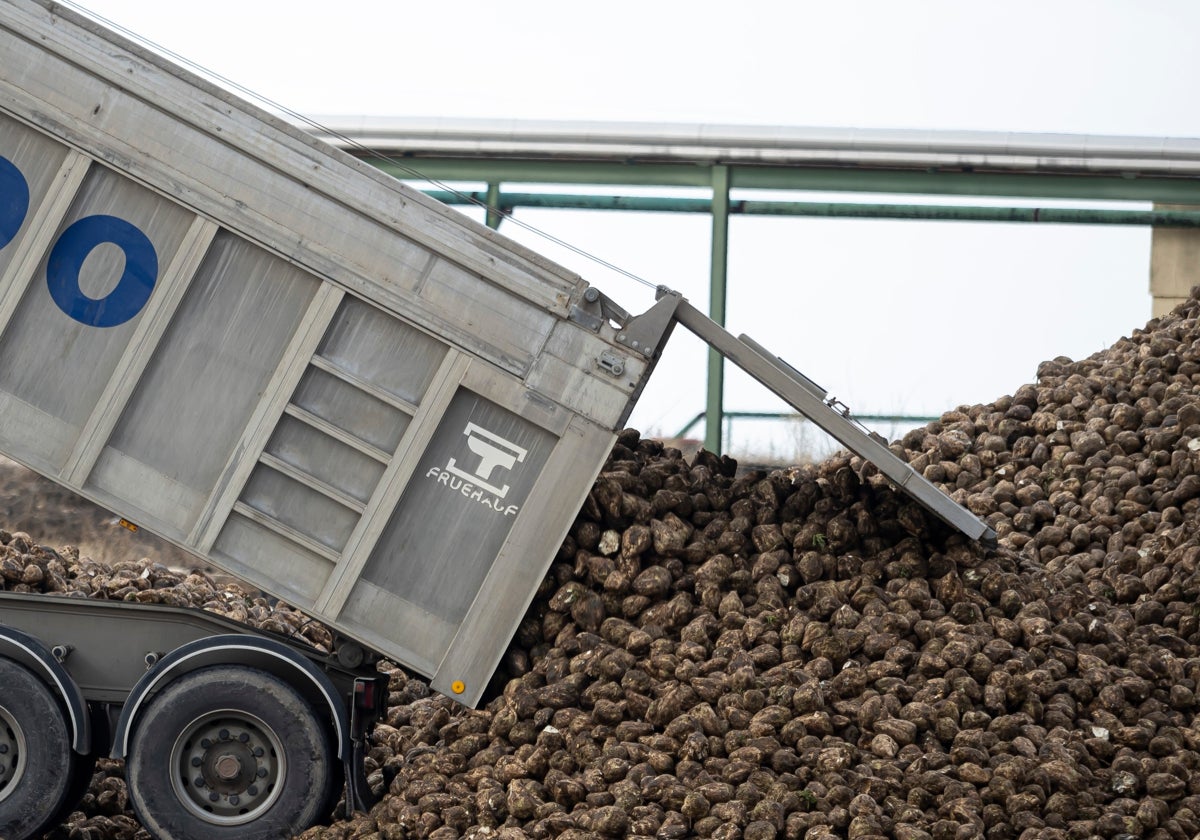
<point x="493" y="202"/>
<point x="715" y="409"/>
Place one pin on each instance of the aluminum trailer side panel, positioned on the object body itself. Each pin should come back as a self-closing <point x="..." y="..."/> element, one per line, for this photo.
<point x="283" y="361"/>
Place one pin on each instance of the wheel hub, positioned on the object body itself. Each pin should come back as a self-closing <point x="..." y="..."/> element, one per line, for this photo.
<point x="229" y="767"/>
<point x="12" y="753"/>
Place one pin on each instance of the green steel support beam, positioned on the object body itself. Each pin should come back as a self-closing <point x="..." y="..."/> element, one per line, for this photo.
<point x="507" y="202"/>
<point x="721" y="179"/>
<point x="824" y="179"/>
<point x="715" y="405"/>
<point x="995" y="184"/>
<point x="494" y="214"/>
<point x="550" y="172"/>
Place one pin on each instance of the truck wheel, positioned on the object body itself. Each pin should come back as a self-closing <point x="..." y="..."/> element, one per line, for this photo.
<point x="36" y="761"/>
<point x="228" y="752"/>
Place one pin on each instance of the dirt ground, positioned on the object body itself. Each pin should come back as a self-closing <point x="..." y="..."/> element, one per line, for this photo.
<point x="54" y="516"/>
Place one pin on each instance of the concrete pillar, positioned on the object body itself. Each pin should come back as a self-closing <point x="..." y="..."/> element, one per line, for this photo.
<point x="1174" y="263"/>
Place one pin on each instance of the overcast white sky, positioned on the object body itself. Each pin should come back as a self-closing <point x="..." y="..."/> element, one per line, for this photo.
<point x="892" y="317"/>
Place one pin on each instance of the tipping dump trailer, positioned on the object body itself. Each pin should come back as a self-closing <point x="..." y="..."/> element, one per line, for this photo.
<point x="311" y="377"/>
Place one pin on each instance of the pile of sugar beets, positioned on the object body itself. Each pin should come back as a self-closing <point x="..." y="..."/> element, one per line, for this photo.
<point x="806" y="653"/>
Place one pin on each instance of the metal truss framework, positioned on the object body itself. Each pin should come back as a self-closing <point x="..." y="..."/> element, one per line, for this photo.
<point x="724" y="159"/>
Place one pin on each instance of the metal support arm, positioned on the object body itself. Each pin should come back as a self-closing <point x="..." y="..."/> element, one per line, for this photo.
<point x="802" y="394"/>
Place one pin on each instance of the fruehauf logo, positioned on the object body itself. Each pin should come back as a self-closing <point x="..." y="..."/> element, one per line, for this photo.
<point x="493" y="451"/>
<point x="480" y="484"/>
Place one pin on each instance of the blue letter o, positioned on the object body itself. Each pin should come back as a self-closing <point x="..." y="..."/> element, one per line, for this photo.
<point x="14" y="200"/>
<point x="132" y="290"/>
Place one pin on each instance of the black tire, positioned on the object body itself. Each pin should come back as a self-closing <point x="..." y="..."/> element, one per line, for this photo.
<point x="36" y="761"/>
<point x="83" y="768"/>
<point x="229" y="752"/>
<point x="333" y="799"/>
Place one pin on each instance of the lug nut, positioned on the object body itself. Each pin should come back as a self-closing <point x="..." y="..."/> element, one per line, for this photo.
<point x="227" y="767"/>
